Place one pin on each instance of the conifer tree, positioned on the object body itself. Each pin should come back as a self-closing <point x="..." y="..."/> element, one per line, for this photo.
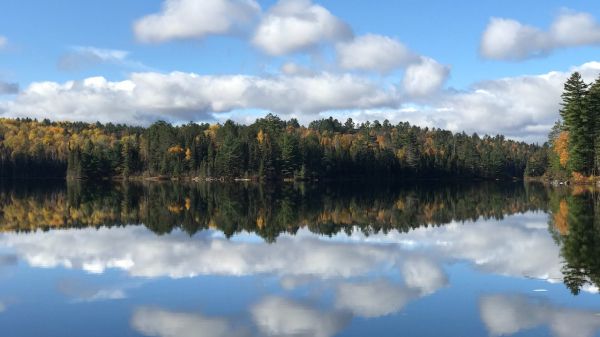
<point x="593" y="106"/>
<point x="578" y="123"/>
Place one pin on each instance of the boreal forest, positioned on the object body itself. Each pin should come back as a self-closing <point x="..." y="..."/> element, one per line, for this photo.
<point x="268" y="149"/>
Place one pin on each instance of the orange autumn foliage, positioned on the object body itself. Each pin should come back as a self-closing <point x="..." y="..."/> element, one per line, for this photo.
<point x="561" y="147"/>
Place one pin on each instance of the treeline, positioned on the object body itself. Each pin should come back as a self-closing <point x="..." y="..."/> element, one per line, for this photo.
<point x="268" y="149"/>
<point x="258" y="208"/>
<point x="573" y="148"/>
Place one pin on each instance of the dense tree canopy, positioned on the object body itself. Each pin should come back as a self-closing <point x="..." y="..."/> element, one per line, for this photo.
<point x="268" y="149"/>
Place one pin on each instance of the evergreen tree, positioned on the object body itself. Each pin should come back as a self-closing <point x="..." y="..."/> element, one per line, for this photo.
<point x="593" y="107"/>
<point x="578" y="123"/>
<point x="289" y="155"/>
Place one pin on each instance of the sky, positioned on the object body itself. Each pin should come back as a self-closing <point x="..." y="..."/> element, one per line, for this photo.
<point x="491" y="67"/>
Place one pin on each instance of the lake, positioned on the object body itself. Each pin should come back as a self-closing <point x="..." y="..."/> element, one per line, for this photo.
<point x="186" y="260"/>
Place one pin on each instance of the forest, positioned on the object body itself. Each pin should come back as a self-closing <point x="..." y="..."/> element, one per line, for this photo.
<point x="268" y="149"/>
<point x="573" y="148"/>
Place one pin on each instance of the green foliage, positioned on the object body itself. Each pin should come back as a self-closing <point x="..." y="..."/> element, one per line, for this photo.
<point x="574" y="142"/>
<point x="538" y="162"/>
<point x="577" y="116"/>
<point x="269" y="149"/>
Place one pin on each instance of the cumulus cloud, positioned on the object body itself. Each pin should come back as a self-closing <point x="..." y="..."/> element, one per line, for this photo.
<point x="7" y="88"/>
<point x="192" y="19"/>
<point x="374" y="52"/>
<point x="507" y="39"/>
<point x="516" y="106"/>
<point x="424" y="77"/>
<point x="523" y="107"/>
<point x="508" y="315"/>
<point x="297" y="25"/>
<point x="162" y="323"/>
<point x="276" y="316"/>
<point x="149" y="96"/>
<point x="82" y="57"/>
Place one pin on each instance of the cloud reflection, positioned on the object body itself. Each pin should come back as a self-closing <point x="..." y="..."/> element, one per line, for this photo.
<point x="507" y="315"/>
<point x="163" y="323"/>
<point x="277" y="316"/>
<point x="373" y="299"/>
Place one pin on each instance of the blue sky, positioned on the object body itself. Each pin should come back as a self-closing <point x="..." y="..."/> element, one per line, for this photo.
<point x="66" y="40"/>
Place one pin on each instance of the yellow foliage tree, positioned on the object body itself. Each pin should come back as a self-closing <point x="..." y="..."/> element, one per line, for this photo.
<point x="561" y="148"/>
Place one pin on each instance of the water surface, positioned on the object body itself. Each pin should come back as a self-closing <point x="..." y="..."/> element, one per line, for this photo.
<point x="176" y="260"/>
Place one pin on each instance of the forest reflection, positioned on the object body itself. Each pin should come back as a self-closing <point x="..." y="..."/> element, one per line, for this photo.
<point x="575" y="224"/>
<point x="269" y="211"/>
<point x="266" y="211"/>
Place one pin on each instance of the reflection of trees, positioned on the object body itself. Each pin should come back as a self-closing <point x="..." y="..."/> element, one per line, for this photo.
<point x="576" y="221"/>
<point x="267" y="211"/>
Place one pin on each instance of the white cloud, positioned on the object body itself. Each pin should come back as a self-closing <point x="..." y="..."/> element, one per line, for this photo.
<point x="507" y="39"/>
<point x="162" y="323"/>
<point x="515" y="106"/>
<point x="145" y="97"/>
<point x="82" y="57"/>
<point x="192" y="19"/>
<point x="424" y="77"/>
<point x="507" y="315"/>
<point x="297" y="25"/>
<point x="291" y="69"/>
<point x="523" y="107"/>
<point x="276" y="316"/>
<point x="374" y="52"/>
<point x="3" y="41"/>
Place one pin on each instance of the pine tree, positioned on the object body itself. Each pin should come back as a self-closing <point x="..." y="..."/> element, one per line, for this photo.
<point x="289" y="155"/>
<point x="593" y="106"/>
<point x="579" y="124"/>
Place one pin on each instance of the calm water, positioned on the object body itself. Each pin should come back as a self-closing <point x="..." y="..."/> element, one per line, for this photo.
<point x="173" y="260"/>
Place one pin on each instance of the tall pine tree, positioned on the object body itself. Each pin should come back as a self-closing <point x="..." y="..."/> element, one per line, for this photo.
<point x="579" y="124"/>
<point x="593" y="106"/>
